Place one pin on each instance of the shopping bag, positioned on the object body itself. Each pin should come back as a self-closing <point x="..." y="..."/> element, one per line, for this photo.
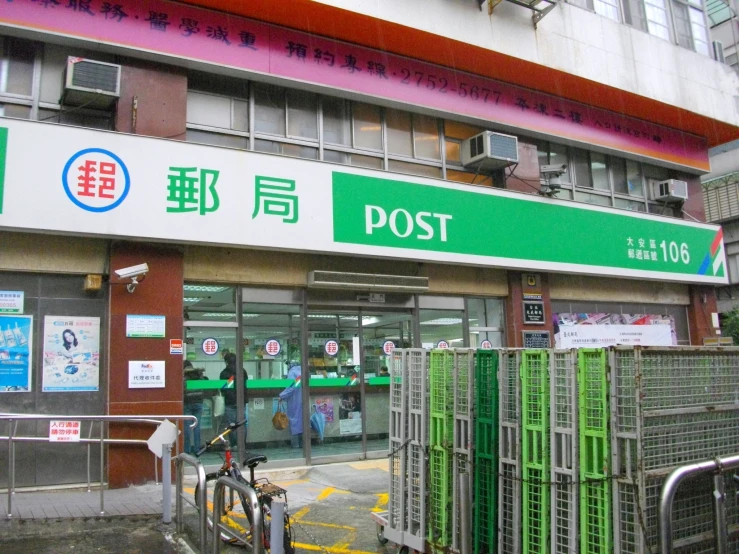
<point x="279" y="420"/>
<point x="219" y="405"/>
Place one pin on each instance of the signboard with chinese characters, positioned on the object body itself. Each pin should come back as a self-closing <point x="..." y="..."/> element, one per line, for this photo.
<point x="535" y="339"/>
<point x="64" y="431"/>
<point x="71" y="354"/>
<point x="11" y="301"/>
<point x="533" y="312"/>
<point x="307" y="206"/>
<point x="179" y="31"/>
<point x="145" y="375"/>
<point x="16" y="353"/>
<point x="593" y="330"/>
<point x="145" y="326"/>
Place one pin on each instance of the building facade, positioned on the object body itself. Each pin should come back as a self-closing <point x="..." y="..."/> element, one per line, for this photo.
<point x="314" y="184"/>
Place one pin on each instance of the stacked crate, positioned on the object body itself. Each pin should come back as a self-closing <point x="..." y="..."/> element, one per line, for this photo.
<point x="417" y="436"/>
<point x="509" y="452"/>
<point x="397" y="495"/>
<point x="463" y="375"/>
<point x="441" y="409"/>
<point x="670" y="407"/>
<point x="594" y="447"/>
<point x="535" y="451"/>
<point x="485" y="482"/>
<point x="565" y="475"/>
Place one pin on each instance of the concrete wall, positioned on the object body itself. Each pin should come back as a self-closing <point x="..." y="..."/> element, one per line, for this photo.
<point x="49" y="253"/>
<point x="602" y="289"/>
<point x="576" y="41"/>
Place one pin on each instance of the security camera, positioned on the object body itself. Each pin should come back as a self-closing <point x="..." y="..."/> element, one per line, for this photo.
<point x="553" y="169"/>
<point x="132" y="272"/>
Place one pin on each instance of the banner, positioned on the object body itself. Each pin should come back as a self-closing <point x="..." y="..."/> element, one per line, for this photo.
<point x="16" y="352"/>
<point x="196" y="194"/>
<point x="71" y="354"/>
<point x="600" y="330"/>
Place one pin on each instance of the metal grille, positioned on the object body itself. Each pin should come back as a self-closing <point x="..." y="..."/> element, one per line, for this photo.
<point x="463" y="379"/>
<point x="486" y="452"/>
<point x="564" y="458"/>
<point x="509" y="482"/>
<point x="535" y="471"/>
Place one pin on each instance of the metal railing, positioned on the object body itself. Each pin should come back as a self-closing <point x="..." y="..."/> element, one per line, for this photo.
<point x="717" y="467"/>
<point x="201" y="501"/>
<point x="252" y="505"/>
<point x="13" y="438"/>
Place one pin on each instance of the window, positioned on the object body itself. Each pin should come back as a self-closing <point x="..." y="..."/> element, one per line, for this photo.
<point x="690" y="25"/>
<point x="269" y="109"/>
<point x="607" y="8"/>
<point x="16" y="67"/>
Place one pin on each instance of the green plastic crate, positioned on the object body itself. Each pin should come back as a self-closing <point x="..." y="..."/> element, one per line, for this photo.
<point x="535" y="451"/>
<point x="595" y="452"/>
<point x="485" y="513"/>
<point x="440" y="498"/>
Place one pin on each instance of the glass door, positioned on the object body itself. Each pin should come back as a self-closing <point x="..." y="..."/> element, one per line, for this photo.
<point x="335" y="400"/>
<point x="381" y="334"/>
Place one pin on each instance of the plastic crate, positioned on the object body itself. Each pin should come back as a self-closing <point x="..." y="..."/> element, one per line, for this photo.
<point x="463" y="381"/>
<point x="563" y="420"/>
<point x="418" y="428"/>
<point x="397" y="493"/>
<point x="485" y="483"/>
<point x="509" y="460"/>
<point x="595" y="458"/>
<point x="440" y="498"/>
<point x="535" y="450"/>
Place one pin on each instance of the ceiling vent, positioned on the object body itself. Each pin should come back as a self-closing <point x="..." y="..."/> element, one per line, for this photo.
<point x="366" y="281"/>
<point x="91" y="83"/>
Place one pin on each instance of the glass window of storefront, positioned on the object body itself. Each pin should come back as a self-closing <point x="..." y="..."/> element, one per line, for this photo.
<point x="339" y="347"/>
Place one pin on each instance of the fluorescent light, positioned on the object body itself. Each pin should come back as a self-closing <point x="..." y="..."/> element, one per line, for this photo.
<point x="443" y="321"/>
<point x="217" y="314"/>
<point x="204" y="288"/>
<point x="193" y="299"/>
<point x="247" y="316"/>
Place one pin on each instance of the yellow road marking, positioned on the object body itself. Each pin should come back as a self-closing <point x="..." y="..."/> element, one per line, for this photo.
<point x="381" y="505"/>
<point x="371" y="464"/>
<point x="331" y="549"/>
<point x="328" y="491"/>
<point x="297" y="516"/>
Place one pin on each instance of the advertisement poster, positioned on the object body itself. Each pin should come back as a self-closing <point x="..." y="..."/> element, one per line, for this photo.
<point x="584" y="330"/>
<point x="16" y="338"/>
<point x="71" y="354"/>
<point x="325" y="406"/>
<point x="350" y="414"/>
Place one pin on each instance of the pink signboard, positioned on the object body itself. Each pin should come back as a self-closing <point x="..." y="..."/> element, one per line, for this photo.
<point x="198" y="34"/>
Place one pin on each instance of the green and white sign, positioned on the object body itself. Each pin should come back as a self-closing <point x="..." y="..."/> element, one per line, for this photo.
<point x="115" y="185"/>
<point x="11" y="301"/>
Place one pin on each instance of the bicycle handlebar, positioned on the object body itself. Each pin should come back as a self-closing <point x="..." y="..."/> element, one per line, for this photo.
<point x="208" y="445"/>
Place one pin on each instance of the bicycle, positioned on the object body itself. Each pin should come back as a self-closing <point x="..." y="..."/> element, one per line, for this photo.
<point x="234" y="514"/>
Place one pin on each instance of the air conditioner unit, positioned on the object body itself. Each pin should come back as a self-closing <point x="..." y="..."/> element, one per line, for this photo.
<point x="718" y="51"/>
<point x="489" y="150"/>
<point x="366" y="281"/>
<point x="91" y="83"/>
<point x="671" y="190"/>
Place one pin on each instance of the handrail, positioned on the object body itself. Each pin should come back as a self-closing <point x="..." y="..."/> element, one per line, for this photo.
<point x="14" y="419"/>
<point x="253" y="507"/>
<point x="201" y="502"/>
<point x="717" y="466"/>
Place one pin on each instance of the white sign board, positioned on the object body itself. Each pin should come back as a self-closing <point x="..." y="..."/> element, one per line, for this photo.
<point x="164" y="435"/>
<point x="64" y="431"/>
<point x="145" y="326"/>
<point x="11" y="301"/>
<point x="145" y="375"/>
<point x="596" y="336"/>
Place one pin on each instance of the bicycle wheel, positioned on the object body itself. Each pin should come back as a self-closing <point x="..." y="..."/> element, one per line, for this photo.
<point x="233" y="515"/>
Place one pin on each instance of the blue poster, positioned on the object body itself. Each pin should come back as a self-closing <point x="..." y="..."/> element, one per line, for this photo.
<point x="16" y="337"/>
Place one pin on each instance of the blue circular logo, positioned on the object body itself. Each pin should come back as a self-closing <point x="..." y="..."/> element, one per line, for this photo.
<point x="96" y="179"/>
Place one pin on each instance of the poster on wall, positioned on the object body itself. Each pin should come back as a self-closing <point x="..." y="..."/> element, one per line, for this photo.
<point x="71" y="354"/>
<point x="16" y="348"/>
<point x="591" y="330"/>
<point x="325" y="405"/>
<point x="350" y="414"/>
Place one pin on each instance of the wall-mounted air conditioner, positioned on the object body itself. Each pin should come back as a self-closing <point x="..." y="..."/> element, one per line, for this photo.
<point x="91" y="83"/>
<point x="671" y="190"/>
<point x="489" y="150"/>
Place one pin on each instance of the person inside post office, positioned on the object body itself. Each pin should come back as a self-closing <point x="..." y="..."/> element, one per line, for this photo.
<point x="232" y="414"/>
<point x="193" y="406"/>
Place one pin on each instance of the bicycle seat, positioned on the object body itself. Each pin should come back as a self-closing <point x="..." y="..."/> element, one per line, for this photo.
<point x="253" y="460"/>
